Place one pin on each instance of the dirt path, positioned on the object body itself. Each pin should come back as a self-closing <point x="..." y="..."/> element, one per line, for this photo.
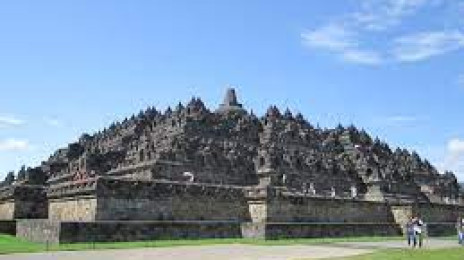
<point x="236" y="252"/>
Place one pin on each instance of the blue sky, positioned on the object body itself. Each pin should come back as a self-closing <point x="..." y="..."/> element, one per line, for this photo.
<point x="393" y="67"/>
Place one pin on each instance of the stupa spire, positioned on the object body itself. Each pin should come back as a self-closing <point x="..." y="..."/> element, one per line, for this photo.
<point x="230" y="102"/>
<point x="230" y="98"/>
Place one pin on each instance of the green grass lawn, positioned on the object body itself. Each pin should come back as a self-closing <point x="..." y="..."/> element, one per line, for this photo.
<point x="413" y="254"/>
<point x="10" y="244"/>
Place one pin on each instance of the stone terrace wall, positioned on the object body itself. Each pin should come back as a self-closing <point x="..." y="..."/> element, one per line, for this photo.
<point x="38" y="230"/>
<point x="31" y="209"/>
<point x="119" y="199"/>
<point x="7" y="210"/>
<point x="317" y="230"/>
<point x="290" y="208"/>
<point x="8" y="227"/>
<point x="441" y="229"/>
<point x="114" y="231"/>
<point x="440" y="212"/>
<point x="22" y="201"/>
<point x="440" y="219"/>
<point x="118" y="231"/>
<point x="136" y="231"/>
<point x="79" y="208"/>
<point x="73" y="201"/>
<point x="155" y="200"/>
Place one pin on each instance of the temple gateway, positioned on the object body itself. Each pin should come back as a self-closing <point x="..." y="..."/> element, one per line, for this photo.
<point x="190" y="172"/>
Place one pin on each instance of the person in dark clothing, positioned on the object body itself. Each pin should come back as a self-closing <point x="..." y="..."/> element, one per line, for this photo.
<point x="410" y="231"/>
<point x="460" y="229"/>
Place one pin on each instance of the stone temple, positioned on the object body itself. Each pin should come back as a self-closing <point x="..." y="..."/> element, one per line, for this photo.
<point x="190" y="172"/>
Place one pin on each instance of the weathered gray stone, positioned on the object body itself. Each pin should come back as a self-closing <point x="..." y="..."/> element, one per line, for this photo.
<point x="8" y="227"/>
<point x="22" y="201"/>
<point x="45" y="231"/>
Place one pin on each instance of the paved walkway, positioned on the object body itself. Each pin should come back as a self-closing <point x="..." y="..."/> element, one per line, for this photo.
<point x="236" y="252"/>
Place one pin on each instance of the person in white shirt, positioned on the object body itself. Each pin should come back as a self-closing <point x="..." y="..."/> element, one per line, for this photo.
<point x="419" y="230"/>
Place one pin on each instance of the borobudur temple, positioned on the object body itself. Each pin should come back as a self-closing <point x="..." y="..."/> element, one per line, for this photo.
<point x="190" y="172"/>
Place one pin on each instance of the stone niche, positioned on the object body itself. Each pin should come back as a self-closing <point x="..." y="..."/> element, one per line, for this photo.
<point x="23" y="201"/>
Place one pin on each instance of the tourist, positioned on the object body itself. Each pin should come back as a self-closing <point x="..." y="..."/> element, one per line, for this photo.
<point x="460" y="229"/>
<point x="410" y="231"/>
<point x="419" y="230"/>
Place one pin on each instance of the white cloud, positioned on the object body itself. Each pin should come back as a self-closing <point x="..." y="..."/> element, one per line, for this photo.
<point x="401" y="118"/>
<point x="461" y="80"/>
<point x="362" y="57"/>
<point x="53" y="122"/>
<point x="353" y="37"/>
<point x="455" y="148"/>
<point x="454" y="158"/>
<point x="332" y="37"/>
<point x="6" y="121"/>
<point x="424" y="45"/>
<point x="342" y="42"/>
<point x="381" y="15"/>
<point x="13" y="144"/>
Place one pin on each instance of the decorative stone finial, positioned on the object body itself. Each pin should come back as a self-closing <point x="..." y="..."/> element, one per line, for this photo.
<point x="230" y="102"/>
<point x="231" y="98"/>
